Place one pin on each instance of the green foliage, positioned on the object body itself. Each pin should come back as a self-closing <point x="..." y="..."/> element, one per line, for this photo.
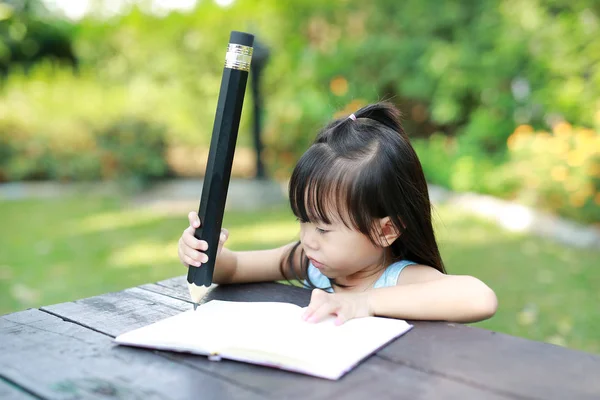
<point x="558" y="172"/>
<point x="105" y="132"/>
<point x="128" y="149"/>
<point x="464" y="74"/>
<point x="27" y="36"/>
<point x="131" y="147"/>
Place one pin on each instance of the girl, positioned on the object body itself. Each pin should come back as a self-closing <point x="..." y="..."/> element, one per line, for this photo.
<point x="366" y="245"/>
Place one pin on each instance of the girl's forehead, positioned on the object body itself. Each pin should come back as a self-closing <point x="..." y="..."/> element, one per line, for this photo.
<point x="324" y="196"/>
<point x="326" y="211"/>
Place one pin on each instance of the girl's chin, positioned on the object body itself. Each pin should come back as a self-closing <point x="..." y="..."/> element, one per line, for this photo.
<point x="330" y="274"/>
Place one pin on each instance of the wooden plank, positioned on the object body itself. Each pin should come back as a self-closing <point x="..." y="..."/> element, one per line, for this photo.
<point x="501" y="362"/>
<point x="178" y="283"/>
<point x="378" y="372"/>
<point x="374" y="378"/>
<point x="266" y="291"/>
<point x="269" y="291"/>
<point x="116" y="313"/>
<point x="10" y="392"/>
<point x="61" y="360"/>
<point x="174" y="287"/>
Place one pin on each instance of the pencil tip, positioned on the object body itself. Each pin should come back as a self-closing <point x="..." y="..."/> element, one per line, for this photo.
<point x="195" y="306"/>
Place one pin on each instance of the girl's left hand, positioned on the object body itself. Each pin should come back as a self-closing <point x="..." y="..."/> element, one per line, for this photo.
<point x="343" y="305"/>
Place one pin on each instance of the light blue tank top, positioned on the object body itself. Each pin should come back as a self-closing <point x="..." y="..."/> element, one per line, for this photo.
<point x="388" y="278"/>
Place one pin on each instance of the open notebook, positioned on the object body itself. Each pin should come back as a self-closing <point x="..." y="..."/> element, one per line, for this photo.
<point x="270" y="334"/>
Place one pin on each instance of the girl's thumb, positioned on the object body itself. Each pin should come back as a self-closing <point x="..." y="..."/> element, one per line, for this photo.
<point x="194" y="220"/>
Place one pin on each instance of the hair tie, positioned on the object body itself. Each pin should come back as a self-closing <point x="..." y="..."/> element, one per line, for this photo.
<point x="352" y="117"/>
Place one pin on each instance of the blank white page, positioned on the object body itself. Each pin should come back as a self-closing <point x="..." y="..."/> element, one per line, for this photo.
<point x="269" y="333"/>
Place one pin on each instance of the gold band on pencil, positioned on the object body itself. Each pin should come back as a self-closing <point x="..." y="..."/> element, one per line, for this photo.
<point x="238" y="57"/>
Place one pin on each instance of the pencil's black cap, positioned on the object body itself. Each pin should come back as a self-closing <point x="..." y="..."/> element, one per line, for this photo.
<point x="245" y="39"/>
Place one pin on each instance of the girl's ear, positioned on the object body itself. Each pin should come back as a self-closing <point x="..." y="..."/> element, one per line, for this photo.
<point x="388" y="233"/>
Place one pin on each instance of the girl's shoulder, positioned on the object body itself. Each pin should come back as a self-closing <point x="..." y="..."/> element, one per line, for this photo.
<point x="391" y="274"/>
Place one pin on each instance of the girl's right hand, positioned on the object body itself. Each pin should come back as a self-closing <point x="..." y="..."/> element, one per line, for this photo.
<point x="191" y="250"/>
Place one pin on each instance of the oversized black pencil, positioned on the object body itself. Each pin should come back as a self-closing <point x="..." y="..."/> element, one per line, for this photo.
<point x="220" y="156"/>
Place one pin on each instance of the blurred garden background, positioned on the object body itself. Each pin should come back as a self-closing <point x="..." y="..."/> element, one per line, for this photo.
<point x="500" y="97"/>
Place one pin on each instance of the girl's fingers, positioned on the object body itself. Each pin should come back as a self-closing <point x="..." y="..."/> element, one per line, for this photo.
<point x="190" y="249"/>
<point x="341" y="318"/>
<point x="190" y="240"/>
<point x="195" y="255"/>
<point x="193" y="219"/>
<point x="322" y="312"/>
<point x="190" y="256"/>
<point x="317" y="298"/>
<point x="188" y="261"/>
<point x="312" y="306"/>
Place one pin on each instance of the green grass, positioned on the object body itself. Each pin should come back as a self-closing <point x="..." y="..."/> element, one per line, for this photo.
<point x="61" y="250"/>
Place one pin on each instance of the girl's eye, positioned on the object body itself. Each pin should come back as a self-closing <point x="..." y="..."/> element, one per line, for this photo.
<point x="319" y="230"/>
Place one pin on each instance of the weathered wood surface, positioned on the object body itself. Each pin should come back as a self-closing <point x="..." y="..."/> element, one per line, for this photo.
<point x="499" y="362"/>
<point x="9" y="391"/>
<point x="66" y="351"/>
<point x="116" y="313"/>
<point x="56" y="359"/>
<point x="378" y="373"/>
<point x="174" y="287"/>
<point x="177" y="288"/>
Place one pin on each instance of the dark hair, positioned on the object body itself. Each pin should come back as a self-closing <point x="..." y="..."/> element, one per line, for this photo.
<point x="362" y="169"/>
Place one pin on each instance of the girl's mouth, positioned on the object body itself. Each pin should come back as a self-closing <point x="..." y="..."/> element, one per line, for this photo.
<point x="316" y="264"/>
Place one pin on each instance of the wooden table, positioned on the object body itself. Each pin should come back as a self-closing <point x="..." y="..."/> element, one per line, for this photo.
<point x="65" y="351"/>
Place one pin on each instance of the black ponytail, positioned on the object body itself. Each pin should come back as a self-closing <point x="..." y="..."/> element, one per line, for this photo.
<point x="384" y="113"/>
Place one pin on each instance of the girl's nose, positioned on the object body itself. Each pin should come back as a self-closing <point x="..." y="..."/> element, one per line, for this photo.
<point x="308" y="239"/>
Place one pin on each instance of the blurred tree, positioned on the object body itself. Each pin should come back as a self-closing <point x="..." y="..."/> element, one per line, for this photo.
<point x="30" y="34"/>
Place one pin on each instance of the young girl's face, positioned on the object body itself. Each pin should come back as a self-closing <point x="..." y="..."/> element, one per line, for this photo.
<point x="338" y="251"/>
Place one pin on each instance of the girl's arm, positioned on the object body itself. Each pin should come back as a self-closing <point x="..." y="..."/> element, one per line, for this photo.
<point x="253" y="266"/>
<point x="423" y="293"/>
